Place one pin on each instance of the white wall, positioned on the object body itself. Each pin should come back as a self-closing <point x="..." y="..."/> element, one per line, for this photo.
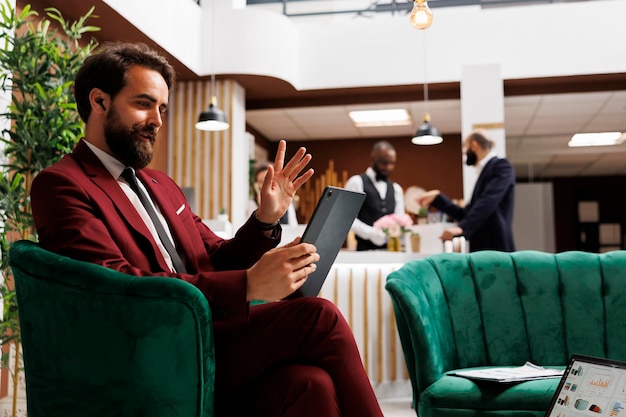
<point x="556" y="39"/>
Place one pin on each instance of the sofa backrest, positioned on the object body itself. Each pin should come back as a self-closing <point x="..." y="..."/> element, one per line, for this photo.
<point x="497" y="308"/>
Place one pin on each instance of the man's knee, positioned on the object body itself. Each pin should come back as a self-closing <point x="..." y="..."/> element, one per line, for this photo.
<point x="312" y="388"/>
<point x="323" y="309"/>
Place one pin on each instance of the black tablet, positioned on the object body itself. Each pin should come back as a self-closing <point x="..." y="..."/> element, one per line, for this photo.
<point x="327" y="230"/>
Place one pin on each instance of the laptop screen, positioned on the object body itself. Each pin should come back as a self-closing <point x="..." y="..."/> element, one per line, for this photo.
<point x="590" y="387"/>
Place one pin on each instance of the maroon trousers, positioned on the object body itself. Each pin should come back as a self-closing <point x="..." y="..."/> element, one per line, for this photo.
<point x="292" y="358"/>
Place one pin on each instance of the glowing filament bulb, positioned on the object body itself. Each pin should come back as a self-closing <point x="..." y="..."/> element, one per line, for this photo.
<point x="421" y="15"/>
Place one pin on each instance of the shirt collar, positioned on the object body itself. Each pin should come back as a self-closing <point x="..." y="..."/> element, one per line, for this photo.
<point x="371" y="174"/>
<point x="113" y="165"/>
<point x="481" y="164"/>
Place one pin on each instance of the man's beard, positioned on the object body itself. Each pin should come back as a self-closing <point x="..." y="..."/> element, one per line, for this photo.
<point x="470" y="158"/>
<point x="127" y="143"/>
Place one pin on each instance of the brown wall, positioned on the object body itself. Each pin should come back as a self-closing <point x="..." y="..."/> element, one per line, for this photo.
<point x="436" y="166"/>
<point x="609" y="192"/>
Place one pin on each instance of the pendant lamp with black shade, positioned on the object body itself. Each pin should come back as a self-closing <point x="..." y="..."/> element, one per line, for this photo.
<point x="213" y="119"/>
<point x="426" y="134"/>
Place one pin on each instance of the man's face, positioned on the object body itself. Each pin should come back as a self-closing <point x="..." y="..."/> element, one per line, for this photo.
<point x="384" y="161"/>
<point x="135" y="116"/>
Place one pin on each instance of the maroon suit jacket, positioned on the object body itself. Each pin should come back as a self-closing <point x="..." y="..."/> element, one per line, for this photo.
<point x="80" y="211"/>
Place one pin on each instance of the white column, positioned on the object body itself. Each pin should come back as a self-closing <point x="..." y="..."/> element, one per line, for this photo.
<point x="482" y="107"/>
<point x="240" y="157"/>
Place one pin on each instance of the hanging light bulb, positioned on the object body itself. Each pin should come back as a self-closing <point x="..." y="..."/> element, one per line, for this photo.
<point x="421" y="15"/>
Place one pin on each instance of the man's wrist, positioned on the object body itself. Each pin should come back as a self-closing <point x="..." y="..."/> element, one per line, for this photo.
<point x="262" y="225"/>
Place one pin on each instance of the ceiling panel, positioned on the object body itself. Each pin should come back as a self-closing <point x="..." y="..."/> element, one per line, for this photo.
<point x="538" y="128"/>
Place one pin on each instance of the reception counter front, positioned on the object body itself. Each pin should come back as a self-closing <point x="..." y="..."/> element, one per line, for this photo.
<point x="356" y="284"/>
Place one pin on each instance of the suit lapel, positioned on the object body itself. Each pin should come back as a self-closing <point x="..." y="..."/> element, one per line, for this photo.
<point x="484" y="173"/>
<point x="100" y="176"/>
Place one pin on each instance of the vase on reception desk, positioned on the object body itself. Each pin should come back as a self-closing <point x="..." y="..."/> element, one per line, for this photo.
<point x="394" y="226"/>
<point x="394" y="244"/>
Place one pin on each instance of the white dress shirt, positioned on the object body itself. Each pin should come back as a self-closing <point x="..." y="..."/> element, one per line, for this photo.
<point x="115" y="167"/>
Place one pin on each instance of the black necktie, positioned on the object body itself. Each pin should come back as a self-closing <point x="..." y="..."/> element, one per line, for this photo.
<point x="129" y="175"/>
<point x="380" y="177"/>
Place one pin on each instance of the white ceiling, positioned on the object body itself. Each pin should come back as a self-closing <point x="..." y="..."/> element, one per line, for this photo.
<point x="537" y="127"/>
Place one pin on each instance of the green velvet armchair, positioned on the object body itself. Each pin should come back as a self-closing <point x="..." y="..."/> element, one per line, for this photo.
<point x="484" y="309"/>
<point x="99" y="343"/>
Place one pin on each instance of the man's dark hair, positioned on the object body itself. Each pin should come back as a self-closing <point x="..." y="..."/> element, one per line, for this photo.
<point x="381" y="145"/>
<point x="482" y="138"/>
<point x="106" y="69"/>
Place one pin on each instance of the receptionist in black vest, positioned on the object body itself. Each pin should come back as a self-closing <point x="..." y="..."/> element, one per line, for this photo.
<point x="383" y="196"/>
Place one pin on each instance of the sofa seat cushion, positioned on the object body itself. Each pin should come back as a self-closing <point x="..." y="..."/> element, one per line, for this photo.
<point x="483" y="396"/>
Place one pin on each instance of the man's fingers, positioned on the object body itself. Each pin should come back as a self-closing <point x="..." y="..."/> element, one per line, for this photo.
<point x="280" y="155"/>
<point x="296" y="164"/>
<point x="295" y="160"/>
<point x="303" y="178"/>
<point x="305" y="262"/>
<point x="269" y="177"/>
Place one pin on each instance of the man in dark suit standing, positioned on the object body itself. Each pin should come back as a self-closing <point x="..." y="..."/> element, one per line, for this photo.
<point x="486" y="221"/>
<point x="102" y="204"/>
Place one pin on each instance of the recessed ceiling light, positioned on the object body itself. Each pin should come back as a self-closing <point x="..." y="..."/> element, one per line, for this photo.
<point x="597" y="139"/>
<point x="388" y="117"/>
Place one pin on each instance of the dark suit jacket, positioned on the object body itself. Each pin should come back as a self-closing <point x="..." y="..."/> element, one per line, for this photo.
<point x="80" y="211"/>
<point x="488" y="219"/>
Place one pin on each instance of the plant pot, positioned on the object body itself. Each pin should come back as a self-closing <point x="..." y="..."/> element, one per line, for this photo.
<point x="415" y="242"/>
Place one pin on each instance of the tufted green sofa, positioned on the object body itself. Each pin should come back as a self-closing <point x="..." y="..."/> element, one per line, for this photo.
<point x="484" y="309"/>
<point x="100" y="343"/>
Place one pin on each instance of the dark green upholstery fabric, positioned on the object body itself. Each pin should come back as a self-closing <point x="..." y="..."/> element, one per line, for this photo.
<point x="489" y="308"/>
<point x="100" y="343"/>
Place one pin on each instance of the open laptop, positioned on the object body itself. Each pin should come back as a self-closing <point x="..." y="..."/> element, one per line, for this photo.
<point x="327" y="230"/>
<point x="590" y="387"/>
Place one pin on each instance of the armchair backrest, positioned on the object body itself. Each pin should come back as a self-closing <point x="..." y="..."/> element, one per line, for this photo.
<point x="97" y="342"/>
<point x="493" y="308"/>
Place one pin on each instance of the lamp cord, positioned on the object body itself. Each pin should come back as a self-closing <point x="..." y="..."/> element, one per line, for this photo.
<point x="212" y="86"/>
<point x="425" y="73"/>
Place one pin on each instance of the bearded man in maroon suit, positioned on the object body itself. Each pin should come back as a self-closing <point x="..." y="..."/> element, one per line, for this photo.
<point x="280" y="358"/>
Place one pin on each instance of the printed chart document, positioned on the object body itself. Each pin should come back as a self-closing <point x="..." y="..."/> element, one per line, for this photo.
<point x="527" y="372"/>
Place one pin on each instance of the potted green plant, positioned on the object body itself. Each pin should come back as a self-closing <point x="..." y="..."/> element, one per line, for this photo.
<point x="422" y="215"/>
<point x="39" y="58"/>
